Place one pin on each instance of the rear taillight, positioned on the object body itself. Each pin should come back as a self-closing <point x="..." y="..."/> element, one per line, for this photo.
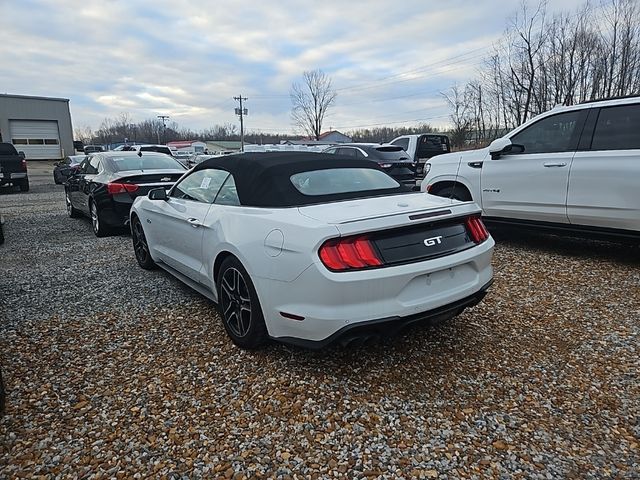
<point x="23" y="165"/>
<point x="476" y="229"/>
<point x="349" y="253"/>
<point x="113" y="188"/>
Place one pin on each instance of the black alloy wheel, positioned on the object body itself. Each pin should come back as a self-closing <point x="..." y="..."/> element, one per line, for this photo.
<point x="241" y="311"/>
<point x="140" y="245"/>
<point x="71" y="210"/>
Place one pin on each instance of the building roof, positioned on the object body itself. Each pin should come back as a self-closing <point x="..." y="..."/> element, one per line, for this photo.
<point x="32" y="97"/>
<point x="183" y="143"/>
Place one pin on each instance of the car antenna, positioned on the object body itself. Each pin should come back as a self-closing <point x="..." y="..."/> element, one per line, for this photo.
<point x="455" y="180"/>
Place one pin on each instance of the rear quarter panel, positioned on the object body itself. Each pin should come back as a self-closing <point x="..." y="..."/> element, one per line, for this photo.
<point x="276" y="244"/>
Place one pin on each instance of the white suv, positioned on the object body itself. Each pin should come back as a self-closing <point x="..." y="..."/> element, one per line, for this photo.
<point x="572" y="168"/>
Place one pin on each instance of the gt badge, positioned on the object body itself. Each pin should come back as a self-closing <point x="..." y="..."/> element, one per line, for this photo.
<point x="430" y="242"/>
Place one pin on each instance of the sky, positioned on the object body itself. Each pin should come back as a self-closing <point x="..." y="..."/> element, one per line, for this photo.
<point x="388" y="60"/>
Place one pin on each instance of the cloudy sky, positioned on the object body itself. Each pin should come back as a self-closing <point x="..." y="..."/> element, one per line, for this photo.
<point x="187" y="58"/>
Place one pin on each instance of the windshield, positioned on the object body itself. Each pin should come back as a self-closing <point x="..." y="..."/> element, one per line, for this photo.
<point x="146" y="161"/>
<point x="341" y="180"/>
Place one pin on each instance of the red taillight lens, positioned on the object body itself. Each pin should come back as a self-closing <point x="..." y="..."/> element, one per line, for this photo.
<point x="476" y="229"/>
<point x="113" y="188"/>
<point x="23" y="165"/>
<point x="349" y="253"/>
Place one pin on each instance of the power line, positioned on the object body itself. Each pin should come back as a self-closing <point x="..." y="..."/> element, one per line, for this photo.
<point x="441" y="63"/>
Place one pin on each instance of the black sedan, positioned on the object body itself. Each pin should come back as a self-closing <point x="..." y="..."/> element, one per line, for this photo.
<point x="106" y="184"/>
<point x="65" y="168"/>
<point x="391" y="158"/>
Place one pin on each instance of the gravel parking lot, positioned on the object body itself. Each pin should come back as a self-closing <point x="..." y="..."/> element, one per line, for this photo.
<point x="115" y="372"/>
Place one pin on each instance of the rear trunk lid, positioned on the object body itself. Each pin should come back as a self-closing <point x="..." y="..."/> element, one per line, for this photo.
<point x="147" y="179"/>
<point x="388" y="212"/>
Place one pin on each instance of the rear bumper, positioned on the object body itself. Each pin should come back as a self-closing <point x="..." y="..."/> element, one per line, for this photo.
<point x="10" y="176"/>
<point x="334" y="303"/>
<point x="391" y="326"/>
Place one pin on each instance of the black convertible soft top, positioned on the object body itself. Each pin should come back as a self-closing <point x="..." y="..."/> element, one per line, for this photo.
<point x="263" y="178"/>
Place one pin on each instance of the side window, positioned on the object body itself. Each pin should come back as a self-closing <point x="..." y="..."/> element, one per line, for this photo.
<point x="557" y="133"/>
<point x="228" y="194"/>
<point x="402" y="142"/>
<point x="359" y="153"/>
<point x="93" y="165"/>
<point x="617" y="128"/>
<point x="349" y="152"/>
<point x="331" y="150"/>
<point x="200" y="186"/>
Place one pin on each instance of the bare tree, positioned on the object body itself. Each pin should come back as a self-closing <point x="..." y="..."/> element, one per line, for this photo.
<point x="460" y="115"/>
<point x="84" y="134"/>
<point x="310" y="102"/>
<point x="586" y="55"/>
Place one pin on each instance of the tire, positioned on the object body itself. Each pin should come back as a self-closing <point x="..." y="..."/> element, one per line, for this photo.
<point x="140" y="245"/>
<point x="456" y="193"/>
<point x="24" y="185"/>
<point x="71" y="210"/>
<point x="100" y="229"/>
<point x="239" y="306"/>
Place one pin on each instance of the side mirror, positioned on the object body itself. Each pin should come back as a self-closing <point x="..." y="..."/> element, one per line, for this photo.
<point x="157" y="194"/>
<point x="21" y="155"/>
<point x="503" y="146"/>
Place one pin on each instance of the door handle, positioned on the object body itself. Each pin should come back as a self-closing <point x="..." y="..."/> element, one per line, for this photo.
<point x="551" y="164"/>
<point x="194" y="222"/>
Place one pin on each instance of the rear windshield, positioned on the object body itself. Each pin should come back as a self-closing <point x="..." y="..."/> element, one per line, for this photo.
<point x="431" y="145"/>
<point x="146" y="161"/>
<point x="341" y="180"/>
<point x="391" y="153"/>
<point x="154" y="148"/>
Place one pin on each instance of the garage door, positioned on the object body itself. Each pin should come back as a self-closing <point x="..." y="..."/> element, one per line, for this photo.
<point x="38" y="139"/>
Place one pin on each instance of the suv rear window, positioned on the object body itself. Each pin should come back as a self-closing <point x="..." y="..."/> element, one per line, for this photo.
<point x="617" y="128"/>
<point x="341" y="180"/>
<point x="432" y="145"/>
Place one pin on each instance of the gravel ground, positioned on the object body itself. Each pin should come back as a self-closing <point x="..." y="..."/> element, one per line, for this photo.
<point x="115" y="372"/>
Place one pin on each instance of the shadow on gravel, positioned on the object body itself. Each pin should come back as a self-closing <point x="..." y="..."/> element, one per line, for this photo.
<point x="619" y="252"/>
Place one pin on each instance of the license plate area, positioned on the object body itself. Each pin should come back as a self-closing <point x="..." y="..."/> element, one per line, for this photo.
<point x="422" y="242"/>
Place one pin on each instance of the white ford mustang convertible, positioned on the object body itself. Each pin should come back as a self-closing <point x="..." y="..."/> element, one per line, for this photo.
<point x="312" y="248"/>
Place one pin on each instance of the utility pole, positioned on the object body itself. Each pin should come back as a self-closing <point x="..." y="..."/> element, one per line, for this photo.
<point x="241" y="112"/>
<point x="164" y="119"/>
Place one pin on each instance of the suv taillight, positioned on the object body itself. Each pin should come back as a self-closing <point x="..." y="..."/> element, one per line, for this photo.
<point x="476" y="229"/>
<point x="349" y="253"/>
<point x="23" y="165"/>
<point x="113" y="188"/>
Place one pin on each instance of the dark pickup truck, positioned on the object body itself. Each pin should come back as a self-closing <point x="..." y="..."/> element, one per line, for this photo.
<point x="13" y="167"/>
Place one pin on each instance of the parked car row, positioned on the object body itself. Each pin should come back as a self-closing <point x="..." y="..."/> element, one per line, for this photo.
<point x="312" y="248"/>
